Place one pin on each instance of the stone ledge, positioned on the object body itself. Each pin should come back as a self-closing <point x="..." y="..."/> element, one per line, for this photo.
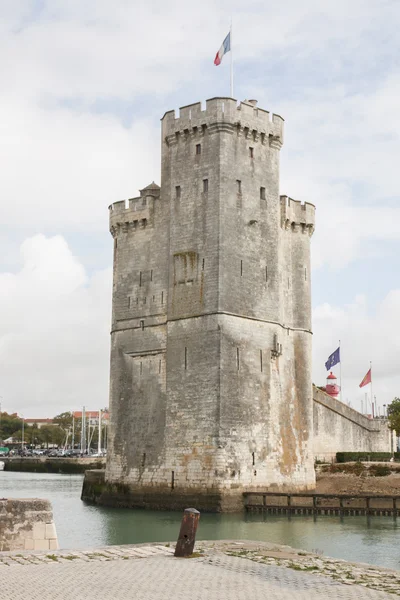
<point x="27" y="524"/>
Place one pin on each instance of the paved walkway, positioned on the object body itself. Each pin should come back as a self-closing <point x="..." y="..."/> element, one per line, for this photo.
<point x="226" y="570"/>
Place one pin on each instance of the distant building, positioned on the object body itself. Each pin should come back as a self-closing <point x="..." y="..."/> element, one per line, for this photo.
<point x="39" y="423"/>
<point x="92" y="416"/>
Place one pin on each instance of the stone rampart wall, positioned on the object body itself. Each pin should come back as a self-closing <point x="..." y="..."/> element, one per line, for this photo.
<point x="339" y="428"/>
<point x="26" y="524"/>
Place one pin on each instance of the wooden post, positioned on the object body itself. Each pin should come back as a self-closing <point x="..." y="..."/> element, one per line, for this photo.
<point x="187" y="533"/>
<point x="367" y="504"/>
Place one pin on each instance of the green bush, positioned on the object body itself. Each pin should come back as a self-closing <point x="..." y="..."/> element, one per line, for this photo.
<point x="379" y="471"/>
<point x="359" y="469"/>
<point x="343" y="457"/>
<point x="353" y="469"/>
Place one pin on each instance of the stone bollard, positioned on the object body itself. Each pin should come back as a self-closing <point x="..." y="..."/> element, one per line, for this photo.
<point x="187" y="533"/>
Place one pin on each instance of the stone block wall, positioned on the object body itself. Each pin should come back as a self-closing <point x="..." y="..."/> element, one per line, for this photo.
<point x="339" y="428"/>
<point x="26" y="524"/>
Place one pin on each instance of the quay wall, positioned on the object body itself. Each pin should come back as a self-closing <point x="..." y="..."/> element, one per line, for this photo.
<point x="69" y="466"/>
<point x="336" y="428"/>
<point x="26" y="524"/>
<point x="96" y="490"/>
<point x="339" y="428"/>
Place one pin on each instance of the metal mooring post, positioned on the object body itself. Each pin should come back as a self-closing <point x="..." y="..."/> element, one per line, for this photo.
<point x="187" y="533"/>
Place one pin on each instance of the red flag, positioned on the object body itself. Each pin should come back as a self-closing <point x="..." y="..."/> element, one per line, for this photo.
<point x="367" y="379"/>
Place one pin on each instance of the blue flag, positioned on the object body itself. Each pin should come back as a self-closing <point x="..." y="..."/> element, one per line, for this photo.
<point x="333" y="360"/>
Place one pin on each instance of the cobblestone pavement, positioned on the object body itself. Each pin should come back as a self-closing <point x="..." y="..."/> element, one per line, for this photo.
<point x="231" y="570"/>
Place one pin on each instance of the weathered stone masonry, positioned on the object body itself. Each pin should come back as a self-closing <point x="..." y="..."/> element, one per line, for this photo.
<point x="26" y="524"/>
<point x="210" y="391"/>
<point x="339" y="428"/>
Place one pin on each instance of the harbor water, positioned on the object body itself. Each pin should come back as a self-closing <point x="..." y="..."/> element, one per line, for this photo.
<point x="373" y="540"/>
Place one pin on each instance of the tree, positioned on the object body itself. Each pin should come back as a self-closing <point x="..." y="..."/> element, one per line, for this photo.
<point x="52" y="434"/>
<point x="64" y="420"/>
<point x="17" y="435"/>
<point x="393" y="411"/>
<point x="32" y="434"/>
<point x="9" y="424"/>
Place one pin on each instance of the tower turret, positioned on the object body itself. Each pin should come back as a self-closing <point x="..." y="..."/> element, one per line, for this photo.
<point x="298" y="223"/>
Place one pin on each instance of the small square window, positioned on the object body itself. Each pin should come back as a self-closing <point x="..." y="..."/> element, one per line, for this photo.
<point x="251" y="152"/>
<point x="262" y="193"/>
<point x="205" y="185"/>
<point x="178" y="192"/>
<point x="239" y="186"/>
<point x="198" y="148"/>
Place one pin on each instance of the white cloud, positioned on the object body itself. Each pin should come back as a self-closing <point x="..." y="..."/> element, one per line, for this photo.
<point x="64" y="166"/>
<point x="327" y="68"/>
<point x="62" y="169"/>
<point x="365" y="336"/>
<point x="340" y="157"/>
<point x="54" y="331"/>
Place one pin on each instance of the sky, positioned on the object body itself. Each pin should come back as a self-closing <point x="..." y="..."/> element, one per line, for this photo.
<point x="83" y="85"/>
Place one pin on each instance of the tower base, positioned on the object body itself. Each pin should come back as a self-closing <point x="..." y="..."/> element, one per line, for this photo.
<point x="96" y="490"/>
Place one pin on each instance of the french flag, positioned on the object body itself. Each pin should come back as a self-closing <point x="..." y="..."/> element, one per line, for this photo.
<point x="226" y="46"/>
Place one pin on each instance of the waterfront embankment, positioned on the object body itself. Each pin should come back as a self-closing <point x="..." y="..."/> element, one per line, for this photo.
<point x="359" y="478"/>
<point x="217" y="570"/>
<point x="350" y="485"/>
<point x="356" y="538"/>
<point x="44" y="464"/>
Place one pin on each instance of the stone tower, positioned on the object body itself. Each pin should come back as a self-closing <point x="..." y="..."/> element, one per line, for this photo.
<point x="211" y="389"/>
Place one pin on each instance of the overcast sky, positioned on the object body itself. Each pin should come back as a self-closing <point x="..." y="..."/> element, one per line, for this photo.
<point x="83" y="85"/>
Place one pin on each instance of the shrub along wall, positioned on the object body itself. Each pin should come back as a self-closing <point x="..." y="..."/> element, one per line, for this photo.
<point x="343" y="457"/>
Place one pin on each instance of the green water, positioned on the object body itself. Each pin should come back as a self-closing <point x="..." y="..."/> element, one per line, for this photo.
<point x="373" y="540"/>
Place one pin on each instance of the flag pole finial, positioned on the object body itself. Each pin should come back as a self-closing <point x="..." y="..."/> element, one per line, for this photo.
<point x="231" y="40"/>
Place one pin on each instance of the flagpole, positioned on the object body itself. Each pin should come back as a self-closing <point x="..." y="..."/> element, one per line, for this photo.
<point x="231" y="60"/>
<point x="372" y="405"/>
<point x="340" y="372"/>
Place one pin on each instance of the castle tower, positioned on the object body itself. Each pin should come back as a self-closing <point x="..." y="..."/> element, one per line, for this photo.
<point x="211" y="337"/>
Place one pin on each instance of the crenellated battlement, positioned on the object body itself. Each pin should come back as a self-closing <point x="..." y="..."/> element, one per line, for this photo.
<point x="297" y="216"/>
<point x="224" y="114"/>
<point x="135" y="213"/>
